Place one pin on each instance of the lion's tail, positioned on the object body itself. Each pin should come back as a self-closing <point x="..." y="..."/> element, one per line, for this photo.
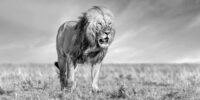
<point x="56" y="64"/>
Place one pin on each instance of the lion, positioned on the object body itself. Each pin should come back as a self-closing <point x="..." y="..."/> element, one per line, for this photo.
<point x="84" y="41"/>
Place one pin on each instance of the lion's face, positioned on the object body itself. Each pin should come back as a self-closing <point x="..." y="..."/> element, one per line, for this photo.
<point x="104" y="35"/>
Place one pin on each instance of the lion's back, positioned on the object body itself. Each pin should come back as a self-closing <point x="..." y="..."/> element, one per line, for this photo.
<point x="65" y="36"/>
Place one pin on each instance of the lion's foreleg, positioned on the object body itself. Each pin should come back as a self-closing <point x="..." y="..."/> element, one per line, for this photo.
<point x="95" y="76"/>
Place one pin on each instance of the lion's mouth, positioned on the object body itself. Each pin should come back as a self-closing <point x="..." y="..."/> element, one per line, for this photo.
<point x="103" y="42"/>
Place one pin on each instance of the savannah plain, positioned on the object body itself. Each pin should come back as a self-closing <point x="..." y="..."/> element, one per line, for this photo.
<point x="118" y="81"/>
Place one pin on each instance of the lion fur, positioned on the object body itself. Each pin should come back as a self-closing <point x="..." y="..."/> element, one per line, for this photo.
<point x="77" y="39"/>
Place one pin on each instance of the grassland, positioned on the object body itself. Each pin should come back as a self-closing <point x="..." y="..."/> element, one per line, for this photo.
<point x="118" y="81"/>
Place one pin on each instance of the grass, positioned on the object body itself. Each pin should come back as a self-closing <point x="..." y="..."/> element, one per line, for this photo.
<point x="118" y="81"/>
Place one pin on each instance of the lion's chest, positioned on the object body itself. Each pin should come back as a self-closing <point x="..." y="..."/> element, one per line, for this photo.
<point x="91" y="57"/>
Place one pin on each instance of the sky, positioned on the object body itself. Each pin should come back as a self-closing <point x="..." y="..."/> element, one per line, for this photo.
<point x="147" y="31"/>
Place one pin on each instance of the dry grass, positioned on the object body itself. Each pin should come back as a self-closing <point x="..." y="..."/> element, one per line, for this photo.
<point x="123" y="82"/>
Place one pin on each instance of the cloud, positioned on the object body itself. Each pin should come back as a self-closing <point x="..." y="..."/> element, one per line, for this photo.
<point x="188" y="60"/>
<point x="195" y="22"/>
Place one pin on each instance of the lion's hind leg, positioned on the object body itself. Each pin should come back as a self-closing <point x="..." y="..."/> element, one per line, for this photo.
<point x="61" y="65"/>
<point x="71" y="70"/>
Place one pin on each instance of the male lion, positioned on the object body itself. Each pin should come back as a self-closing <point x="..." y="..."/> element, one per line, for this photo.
<point x="84" y="41"/>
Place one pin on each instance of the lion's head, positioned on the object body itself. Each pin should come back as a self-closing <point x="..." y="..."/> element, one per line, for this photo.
<point x="97" y="24"/>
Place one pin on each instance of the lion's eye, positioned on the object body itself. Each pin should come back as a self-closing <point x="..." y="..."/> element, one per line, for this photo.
<point x="99" y="24"/>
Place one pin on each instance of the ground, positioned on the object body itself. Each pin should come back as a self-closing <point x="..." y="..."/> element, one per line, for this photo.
<point x="118" y="81"/>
